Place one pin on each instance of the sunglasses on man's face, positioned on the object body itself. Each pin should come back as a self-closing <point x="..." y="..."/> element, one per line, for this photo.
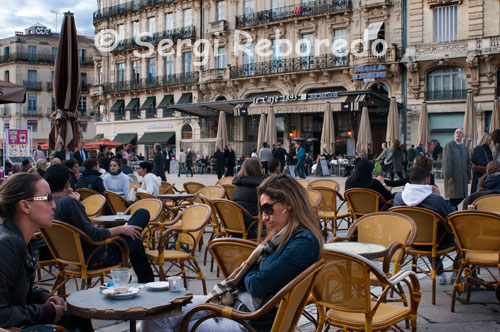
<point x="268" y="208"/>
<point x="49" y="198"/>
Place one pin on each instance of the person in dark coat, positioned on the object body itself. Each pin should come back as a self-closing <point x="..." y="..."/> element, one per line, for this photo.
<point x="481" y="156"/>
<point x="362" y="178"/>
<point x="230" y="160"/>
<point x="411" y="154"/>
<point x="80" y="155"/>
<point x="190" y="159"/>
<point x="245" y="191"/>
<point x="159" y="163"/>
<point x="488" y="184"/>
<point x="219" y="162"/>
<point x="438" y="150"/>
<point x="91" y="177"/>
<point x="397" y="160"/>
<point x="456" y="169"/>
<point x="280" y="154"/>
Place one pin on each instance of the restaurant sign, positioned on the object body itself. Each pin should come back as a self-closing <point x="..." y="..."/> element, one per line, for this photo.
<point x="279" y="98"/>
<point x="369" y="73"/>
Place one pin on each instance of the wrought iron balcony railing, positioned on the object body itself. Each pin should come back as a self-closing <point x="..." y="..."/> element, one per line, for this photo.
<point x="32" y="111"/>
<point x="446" y="94"/>
<point x="288" y="65"/>
<point x="318" y="7"/>
<point x="127" y="7"/>
<point x="38" y="58"/>
<point x="135" y="114"/>
<point x="153" y="82"/>
<point x="33" y="85"/>
<point x="174" y="34"/>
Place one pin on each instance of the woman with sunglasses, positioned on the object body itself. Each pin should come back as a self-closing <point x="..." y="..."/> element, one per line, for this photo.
<point x="26" y="205"/>
<point x="293" y="243"/>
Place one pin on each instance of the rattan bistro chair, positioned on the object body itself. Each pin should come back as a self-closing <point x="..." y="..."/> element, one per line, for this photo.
<point x="115" y="202"/>
<point x="187" y="232"/>
<point x="329" y="211"/>
<point x="212" y="192"/>
<point x="85" y="192"/>
<point x="65" y="244"/>
<point x="362" y="201"/>
<point x="229" y="188"/>
<point x="230" y="253"/>
<point x="231" y="217"/>
<point x="192" y="187"/>
<point x="328" y="183"/>
<point x="290" y="301"/>
<point x="303" y="182"/>
<point x="431" y="231"/>
<point x="94" y="205"/>
<point x="225" y="180"/>
<point x="487" y="203"/>
<point x="314" y="198"/>
<point x="477" y="234"/>
<point x="343" y="289"/>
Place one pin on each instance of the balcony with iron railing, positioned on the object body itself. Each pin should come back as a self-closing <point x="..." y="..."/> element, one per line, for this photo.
<point x="152" y="83"/>
<point x="32" y="111"/>
<point x="50" y="86"/>
<point x="151" y="113"/>
<point x="290" y="65"/>
<point x="313" y="8"/>
<point x="39" y="58"/>
<point x="173" y="34"/>
<point x="135" y="114"/>
<point x="120" y="115"/>
<point x="33" y="85"/>
<point x="126" y="8"/>
<point x="446" y="94"/>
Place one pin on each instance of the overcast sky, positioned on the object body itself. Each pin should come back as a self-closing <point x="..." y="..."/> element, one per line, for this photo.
<point x="17" y="15"/>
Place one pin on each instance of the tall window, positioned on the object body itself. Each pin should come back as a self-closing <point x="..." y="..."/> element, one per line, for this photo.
<point x="6" y="76"/>
<point x="307" y="50"/>
<point x="152" y="25"/>
<point x="169" y="21"/>
<point x="169" y="65"/>
<point x="248" y="7"/>
<point x="6" y="52"/>
<point x="447" y="83"/>
<point x="135" y="71"/>
<point x="31" y="53"/>
<point x="83" y="53"/>
<point x="221" y="58"/>
<point x="151" y="70"/>
<point x="54" y="53"/>
<point x="100" y="76"/>
<point x="276" y="6"/>
<point x="445" y="23"/>
<point x="84" y="81"/>
<point x="277" y="50"/>
<point x="249" y="60"/>
<point x="82" y="105"/>
<point x="187" y="17"/>
<point x="135" y="29"/>
<point x="121" y="31"/>
<point x="187" y="62"/>
<point x="31" y="104"/>
<point x="221" y="10"/>
<point x="340" y="34"/>
<point x="120" y="73"/>
<point x="32" y="77"/>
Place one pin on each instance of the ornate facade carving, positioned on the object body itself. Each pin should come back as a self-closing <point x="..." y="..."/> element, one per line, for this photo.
<point x="432" y="3"/>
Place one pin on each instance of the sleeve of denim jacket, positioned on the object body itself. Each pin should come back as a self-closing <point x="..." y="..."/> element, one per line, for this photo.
<point x="275" y="272"/>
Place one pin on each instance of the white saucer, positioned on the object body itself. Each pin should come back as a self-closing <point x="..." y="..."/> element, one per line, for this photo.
<point x="110" y="292"/>
<point x="157" y="285"/>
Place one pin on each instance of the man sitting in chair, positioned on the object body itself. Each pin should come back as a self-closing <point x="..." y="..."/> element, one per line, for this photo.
<point x="71" y="211"/>
<point x="420" y="193"/>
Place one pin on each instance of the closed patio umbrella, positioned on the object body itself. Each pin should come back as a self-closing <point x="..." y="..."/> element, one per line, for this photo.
<point x="393" y="131"/>
<point x="328" y="133"/>
<point x="424" y="133"/>
<point x="365" y="142"/>
<point x="65" y="133"/>
<point x="221" y="140"/>
<point x="12" y="93"/>
<point x="495" y="116"/>
<point x="271" y="136"/>
<point x="470" y="129"/>
<point x="261" y="136"/>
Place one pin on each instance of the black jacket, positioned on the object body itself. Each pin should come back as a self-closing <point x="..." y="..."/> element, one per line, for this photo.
<point x="159" y="166"/>
<point x="280" y="154"/>
<point x="91" y="179"/>
<point x="245" y="192"/>
<point x="21" y="304"/>
<point x="230" y="158"/>
<point x="219" y="160"/>
<point x="78" y="156"/>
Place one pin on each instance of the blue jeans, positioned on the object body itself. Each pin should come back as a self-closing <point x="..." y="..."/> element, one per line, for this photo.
<point x="183" y="165"/>
<point x="300" y="170"/>
<point x="292" y="170"/>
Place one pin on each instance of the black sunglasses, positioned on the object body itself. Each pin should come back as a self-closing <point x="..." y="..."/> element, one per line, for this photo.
<point x="268" y="208"/>
<point x="49" y="198"/>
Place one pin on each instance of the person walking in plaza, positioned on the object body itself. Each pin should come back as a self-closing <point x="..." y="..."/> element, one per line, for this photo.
<point x="181" y="160"/>
<point x="385" y="158"/>
<point x="230" y="157"/>
<point x="190" y="158"/>
<point x="264" y="157"/>
<point x="159" y="163"/>
<point x="301" y="159"/>
<point x="292" y="159"/>
<point x="38" y="154"/>
<point x="280" y="154"/>
<point x="456" y="169"/>
<point x="481" y="156"/>
<point x="220" y="161"/>
<point x="396" y="159"/>
<point x="167" y="154"/>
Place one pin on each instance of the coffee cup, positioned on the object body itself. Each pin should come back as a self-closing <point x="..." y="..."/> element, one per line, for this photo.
<point x="174" y="284"/>
<point x="120" y="215"/>
<point x="121" y="277"/>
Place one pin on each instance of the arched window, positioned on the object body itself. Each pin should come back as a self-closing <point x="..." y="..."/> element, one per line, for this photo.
<point x="447" y="83"/>
<point x="187" y="132"/>
<point x="380" y="88"/>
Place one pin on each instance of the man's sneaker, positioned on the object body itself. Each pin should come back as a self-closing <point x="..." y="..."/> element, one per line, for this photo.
<point x="441" y="278"/>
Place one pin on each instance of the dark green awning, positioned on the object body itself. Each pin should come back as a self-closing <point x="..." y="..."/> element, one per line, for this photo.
<point x="125" y="138"/>
<point x="167" y="100"/>
<point x="149" y="103"/>
<point x="118" y="105"/>
<point x="97" y="137"/>
<point x="186" y="98"/>
<point x="132" y="104"/>
<point x="162" y="137"/>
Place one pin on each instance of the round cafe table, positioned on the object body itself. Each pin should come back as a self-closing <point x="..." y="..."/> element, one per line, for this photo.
<point x="147" y="304"/>
<point x="112" y="220"/>
<point x="367" y="250"/>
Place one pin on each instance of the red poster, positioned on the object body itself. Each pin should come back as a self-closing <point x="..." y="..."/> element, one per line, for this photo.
<point x="18" y="136"/>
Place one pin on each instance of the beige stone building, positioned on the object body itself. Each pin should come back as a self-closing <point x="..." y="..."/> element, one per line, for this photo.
<point x="173" y="100"/>
<point x="453" y="46"/>
<point x="28" y="59"/>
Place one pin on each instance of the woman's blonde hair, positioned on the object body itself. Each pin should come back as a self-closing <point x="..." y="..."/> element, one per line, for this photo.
<point x="492" y="167"/>
<point x="484" y="139"/>
<point x="41" y="164"/>
<point x="286" y="188"/>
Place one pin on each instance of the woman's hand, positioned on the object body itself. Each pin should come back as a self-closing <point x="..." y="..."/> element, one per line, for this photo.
<point x="56" y="300"/>
<point x="59" y="312"/>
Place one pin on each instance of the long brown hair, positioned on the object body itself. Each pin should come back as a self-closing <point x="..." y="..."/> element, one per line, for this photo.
<point x="286" y="188"/>
<point x="492" y="167"/>
<point x="250" y="167"/>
